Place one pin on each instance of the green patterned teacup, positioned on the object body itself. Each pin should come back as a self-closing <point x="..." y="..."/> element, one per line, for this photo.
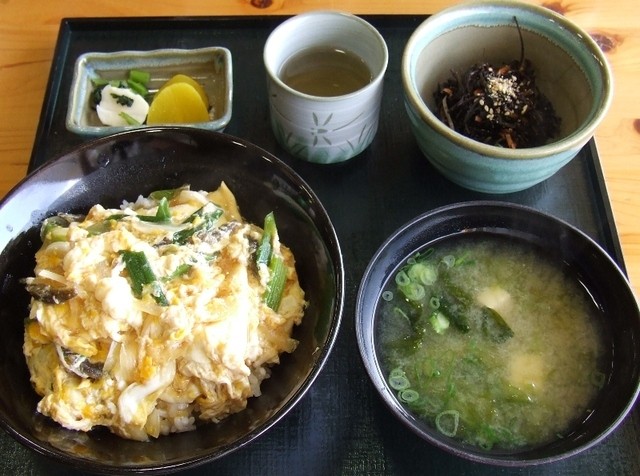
<point x="325" y="129"/>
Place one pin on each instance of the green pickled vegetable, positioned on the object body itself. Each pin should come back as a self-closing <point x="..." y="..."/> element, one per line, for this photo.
<point x="140" y="77"/>
<point x="129" y="120"/>
<point x="137" y="88"/>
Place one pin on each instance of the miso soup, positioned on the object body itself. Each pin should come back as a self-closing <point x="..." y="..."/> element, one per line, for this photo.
<point x="490" y="342"/>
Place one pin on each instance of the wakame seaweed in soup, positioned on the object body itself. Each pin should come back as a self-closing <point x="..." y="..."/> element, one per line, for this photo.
<point x="490" y="342"/>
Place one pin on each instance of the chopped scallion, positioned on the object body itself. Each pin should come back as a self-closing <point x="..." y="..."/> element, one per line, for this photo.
<point x="141" y="274"/>
<point x="408" y="395"/>
<point x="413" y="291"/>
<point x="166" y="193"/>
<point x="163" y="213"/>
<point x="447" y="422"/>
<point x="277" y="280"/>
<point x="181" y="270"/>
<point x="263" y="254"/>
<point x="423" y="273"/>
<point x="449" y="261"/>
<point x="399" y="382"/>
<point x="397" y="372"/>
<point x="205" y="220"/>
<point x="55" y="233"/>
<point x="402" y="279"/>
<point x="102" y="227"/>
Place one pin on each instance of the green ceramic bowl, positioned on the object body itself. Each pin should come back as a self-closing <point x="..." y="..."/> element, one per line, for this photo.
<point x="570" y="70"/>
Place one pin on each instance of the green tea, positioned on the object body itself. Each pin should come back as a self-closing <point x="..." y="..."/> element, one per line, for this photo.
<point x="491" y="342"/>
<point x="326" y="72"/>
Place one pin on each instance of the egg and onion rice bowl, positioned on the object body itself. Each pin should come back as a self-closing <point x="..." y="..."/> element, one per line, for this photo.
<point x="167" y="311"/>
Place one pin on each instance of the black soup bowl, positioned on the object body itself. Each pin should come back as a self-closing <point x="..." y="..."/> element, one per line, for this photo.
<point x="124" y="166"/>
<point x="615" y="309"/>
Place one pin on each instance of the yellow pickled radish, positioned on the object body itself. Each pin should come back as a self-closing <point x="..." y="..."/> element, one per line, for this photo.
<point x="183" y="78"/>
<point x="176" y="104"/>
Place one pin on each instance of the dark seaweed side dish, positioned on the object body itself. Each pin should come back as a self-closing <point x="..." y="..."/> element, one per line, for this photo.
<point x="499" y="105"/>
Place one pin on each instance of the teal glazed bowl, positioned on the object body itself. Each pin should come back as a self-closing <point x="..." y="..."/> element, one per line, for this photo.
<point x="570" y="70"/>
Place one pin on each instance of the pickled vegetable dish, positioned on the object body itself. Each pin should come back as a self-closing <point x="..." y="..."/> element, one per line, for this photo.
<point x="490" y="342"/>
<point x="167" y="311"/>
<point x="130" y="102"/>
<point x="498" y="105"/>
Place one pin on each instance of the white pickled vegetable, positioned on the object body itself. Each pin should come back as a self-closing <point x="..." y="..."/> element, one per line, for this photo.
<point x="119" y="106"/>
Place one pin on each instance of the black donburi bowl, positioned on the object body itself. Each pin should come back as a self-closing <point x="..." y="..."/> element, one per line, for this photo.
<point x="598" y="273"/>
<point x="123" y="166"/>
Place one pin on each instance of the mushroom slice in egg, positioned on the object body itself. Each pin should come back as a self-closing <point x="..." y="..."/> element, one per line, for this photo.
<point x="48" y="291"/>
<point x="79" y="364"/>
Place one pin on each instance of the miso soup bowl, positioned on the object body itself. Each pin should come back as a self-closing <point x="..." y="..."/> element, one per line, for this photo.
<point x="602" y="277"/>
<point x="570" y="70"/>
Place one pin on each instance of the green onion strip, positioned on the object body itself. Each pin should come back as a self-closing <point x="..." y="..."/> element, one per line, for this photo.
<point x="277" y="269"/>
<point x="141" y="274"/>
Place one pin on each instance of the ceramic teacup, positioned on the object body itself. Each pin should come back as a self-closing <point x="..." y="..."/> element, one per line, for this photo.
<point x="325" y="128"/>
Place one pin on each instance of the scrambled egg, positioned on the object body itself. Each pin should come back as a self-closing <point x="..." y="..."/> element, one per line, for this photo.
<point x="144" y="323"/>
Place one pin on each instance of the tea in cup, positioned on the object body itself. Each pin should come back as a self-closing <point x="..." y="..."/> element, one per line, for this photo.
<point x="325" y="72"/>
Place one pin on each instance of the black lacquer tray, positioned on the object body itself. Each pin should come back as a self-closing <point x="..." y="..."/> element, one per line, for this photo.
<point x="341" y="426"/>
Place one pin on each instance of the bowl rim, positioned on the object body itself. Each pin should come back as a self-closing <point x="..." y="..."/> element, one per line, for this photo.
<point x="574" y="140"/>
<point x="365" y="334"/>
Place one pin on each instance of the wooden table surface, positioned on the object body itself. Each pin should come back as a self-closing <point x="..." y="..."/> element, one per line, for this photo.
<point x="29" y="28"/>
